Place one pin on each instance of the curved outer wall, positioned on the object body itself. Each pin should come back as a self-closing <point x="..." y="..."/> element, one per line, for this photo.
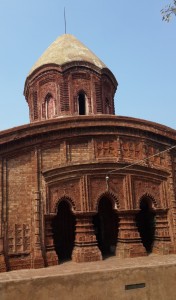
<point x="45" y="162"/>
<point x="52" y="91"/>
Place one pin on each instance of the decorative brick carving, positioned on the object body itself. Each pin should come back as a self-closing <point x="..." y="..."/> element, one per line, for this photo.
<point x="11" y="240"/>
<point x="51" y="255"/>
<point x="140" y="150"/>
<point x="143" y="187"/>
<point x="98" y="188"/>
<point x="19" y="239"/>
<point x="132" y="149"/>
<point x="66" y="189"/>
<point x="106" y="148"/>
<point x="158" y="160"/>
<point x="129" y="242"/>
<point x="26" y="237"/>
<point x="162" y="243"/>
<point x="86" y="248"/>
<point x="117" y="187"/>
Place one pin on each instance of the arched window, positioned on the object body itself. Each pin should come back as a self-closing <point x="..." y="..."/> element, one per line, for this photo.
<point x="49" y="106"/>
<point x="82" y="104"/>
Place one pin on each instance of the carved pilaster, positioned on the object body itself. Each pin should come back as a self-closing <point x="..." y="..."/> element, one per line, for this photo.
<point x="38" y="261"/>
<point x="51" y="256"/>
<point x="129" y="241"/>
<point x="162" y="243"/>
<point x="85" y="248"/>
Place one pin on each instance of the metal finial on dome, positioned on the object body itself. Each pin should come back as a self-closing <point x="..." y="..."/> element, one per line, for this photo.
<point x="65" y="21"/>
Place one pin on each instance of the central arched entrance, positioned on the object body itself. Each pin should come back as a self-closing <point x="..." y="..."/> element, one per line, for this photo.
<point x="145" y="220"/>
<point x="106" y="227"/>
<point x="64" y="231"/>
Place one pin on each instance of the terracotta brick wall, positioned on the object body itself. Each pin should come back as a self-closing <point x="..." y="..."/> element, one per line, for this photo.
<point x="20" y="193"/>
<point x="64" y="85"/>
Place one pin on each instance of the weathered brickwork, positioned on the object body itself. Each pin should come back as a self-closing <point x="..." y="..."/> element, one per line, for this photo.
<point x="79" y="182"/>
<point x="19" y="195"/>
<point x="47" y="154"/>
<point x="57" y="92"/>
<point x="36" y="181"/>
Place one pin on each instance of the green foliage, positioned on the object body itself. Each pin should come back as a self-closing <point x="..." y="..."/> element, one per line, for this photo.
<point x="169" y="11"/>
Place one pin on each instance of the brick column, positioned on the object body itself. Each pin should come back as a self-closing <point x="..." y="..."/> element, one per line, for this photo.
<point x="38" y="255"/>
<point x="129" y="242"/>
<point x="85" y="248"/>
<point x="38" y="258"/>
<point x="51" y="256"/>
<point x="162" y="243"/>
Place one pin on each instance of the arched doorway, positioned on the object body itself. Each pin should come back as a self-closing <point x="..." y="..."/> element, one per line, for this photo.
<point x="145" y="220"/>
<point x="106" y="227"/>
<point x="64" y="231"/>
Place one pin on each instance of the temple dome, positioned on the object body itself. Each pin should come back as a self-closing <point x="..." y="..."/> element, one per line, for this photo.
<point x="65" y="49"/>
<point x="68" y="80"/>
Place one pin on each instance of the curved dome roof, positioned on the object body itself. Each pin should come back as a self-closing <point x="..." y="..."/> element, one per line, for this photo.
<point x="64" y="49"/>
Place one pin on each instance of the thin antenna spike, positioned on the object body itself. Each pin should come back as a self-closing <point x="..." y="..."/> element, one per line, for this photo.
<point x="65" y="21"/>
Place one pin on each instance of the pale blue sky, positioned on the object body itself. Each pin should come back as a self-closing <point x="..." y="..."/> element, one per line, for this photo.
<point x="128" y="36"/>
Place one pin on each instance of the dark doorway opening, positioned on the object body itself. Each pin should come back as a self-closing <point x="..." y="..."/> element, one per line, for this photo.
<point x="145" y="220"/>
<point x="81" y="104"/>
<point x="106" y="227"/>
<point x="64" y="231"/>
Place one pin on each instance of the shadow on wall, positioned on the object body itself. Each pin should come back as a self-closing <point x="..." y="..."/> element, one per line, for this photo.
<point x="145" y="221"/>
<point x="64" y="231"/>
<point x="106" y="227"/>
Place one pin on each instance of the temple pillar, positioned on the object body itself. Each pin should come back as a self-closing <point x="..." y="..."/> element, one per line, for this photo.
<point x="85" y="246"/>
<point x="51" y="256"/>
<point x="162" y="243"/>
<point x="129" y="242"/>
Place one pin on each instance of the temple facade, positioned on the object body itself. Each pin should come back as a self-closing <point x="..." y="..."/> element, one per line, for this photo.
<point x="80" y="183"/>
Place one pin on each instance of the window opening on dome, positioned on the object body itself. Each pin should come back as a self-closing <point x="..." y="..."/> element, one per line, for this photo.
<point x="49" y="106"/>
<point x="81" y="104"/>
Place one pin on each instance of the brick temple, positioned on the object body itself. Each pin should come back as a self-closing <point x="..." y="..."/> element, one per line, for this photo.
<point x="80" y="183"/>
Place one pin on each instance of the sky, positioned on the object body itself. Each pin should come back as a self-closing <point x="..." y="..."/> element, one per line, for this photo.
<point x="128" y="36"/>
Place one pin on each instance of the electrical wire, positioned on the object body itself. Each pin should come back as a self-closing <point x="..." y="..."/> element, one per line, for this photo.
<point x="138" y="162"/>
